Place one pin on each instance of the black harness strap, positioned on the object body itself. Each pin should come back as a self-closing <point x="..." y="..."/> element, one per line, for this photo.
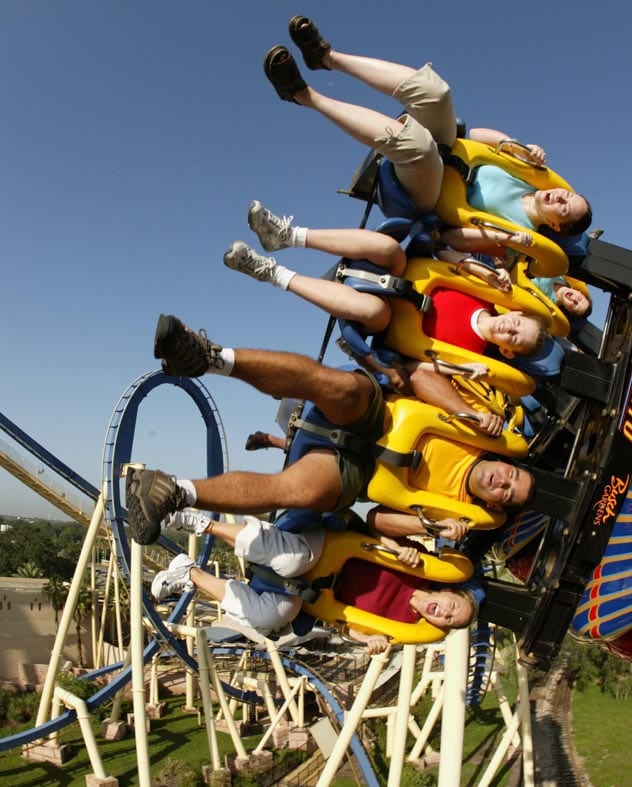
<point x="337" y="436"/>
<point x="296" y="586"/>
<point x="450" y="160"/>
<point x="403" y="288"/>
<point x="342" y="439"/>
<point x="329" y="582"/>
<point x="397" y="458"/>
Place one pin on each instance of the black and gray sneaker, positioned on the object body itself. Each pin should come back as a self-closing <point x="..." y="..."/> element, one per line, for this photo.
<point x="243" y="258"/>
<point x="274" y="232"/>
<point x="183" y="351"/>
<point x="150" y="496"/>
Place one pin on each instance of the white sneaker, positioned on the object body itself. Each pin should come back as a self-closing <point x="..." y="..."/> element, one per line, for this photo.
<point x="174" y="579"/>
<point x="188" y="520"/>
<point x="273" y="231"/>
<point x="241" y="257"/>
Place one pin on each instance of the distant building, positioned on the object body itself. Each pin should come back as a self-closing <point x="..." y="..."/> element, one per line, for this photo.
<point x="27" y="632"/>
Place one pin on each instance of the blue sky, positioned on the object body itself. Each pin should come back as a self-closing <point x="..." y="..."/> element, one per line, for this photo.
<point x="134" y="135"/>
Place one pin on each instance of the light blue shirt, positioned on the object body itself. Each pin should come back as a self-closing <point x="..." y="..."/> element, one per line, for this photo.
<point x="499" y="193"/>
<point x="546" y="284"/>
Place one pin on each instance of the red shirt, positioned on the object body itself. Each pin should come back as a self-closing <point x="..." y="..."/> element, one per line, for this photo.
<point x="450" y="319"/>
<point x="382" y="591"/>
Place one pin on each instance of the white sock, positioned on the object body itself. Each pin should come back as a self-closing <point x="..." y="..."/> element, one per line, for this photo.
<point x="298" y="237"/>
<point x="227" y="355"/>
<point x="282" y="276"/>
<point x="189" y="490"/>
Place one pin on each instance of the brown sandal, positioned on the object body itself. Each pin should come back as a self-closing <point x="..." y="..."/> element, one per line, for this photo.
<point x="305" y="35"/>
<point x="257" y="440"/>
<point x="281" y="69"/>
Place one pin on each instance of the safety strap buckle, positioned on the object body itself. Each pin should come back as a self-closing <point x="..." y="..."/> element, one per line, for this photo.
<point x="337" y="436"/>
<point x="296" y="586"/>
<point x="410" y="459"/>
<point x="403" y="288"/>
<point x="330" y="582"/>
<point x="450" y="160"/>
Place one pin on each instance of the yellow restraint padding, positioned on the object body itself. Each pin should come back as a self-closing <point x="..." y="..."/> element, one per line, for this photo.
<point x="453" y="208"/>
<point x="560" y="325"/>
<point x="410" y="421"/>
<point x="483" y="397"/>
<point x="405" y="331"/>
<point x="340" y="546"/>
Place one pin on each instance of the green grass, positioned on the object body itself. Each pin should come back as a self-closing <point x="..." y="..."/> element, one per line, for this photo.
<point x="484" y="728"/>
<point x="598" y="721"/>
<point x="600" y="725"/>
<point x="175" y="736"/>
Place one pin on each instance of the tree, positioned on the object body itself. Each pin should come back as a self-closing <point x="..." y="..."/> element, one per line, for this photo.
<point x="593" y="665"/>
<point x="53" y="547"/>
<point x="617" y="678"/>
<point x="57" y="591"/>
<point x="28" y="542"/>
<point x="68" y="541"/>
<point x="30" y="570"/>
<point x="82" y="609"/>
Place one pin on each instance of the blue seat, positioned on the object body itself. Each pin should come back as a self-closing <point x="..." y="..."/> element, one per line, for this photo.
<point x="420" y="243"/>
<point x="545" y="363"/>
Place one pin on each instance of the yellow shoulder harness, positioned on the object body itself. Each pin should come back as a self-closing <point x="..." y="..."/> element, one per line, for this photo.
<point x="410" y="420"/>
<point x="560" y="325"/>
<point x="453" y="208"/>
<point x="405" y="332"/>
<point x="340" y="546"/>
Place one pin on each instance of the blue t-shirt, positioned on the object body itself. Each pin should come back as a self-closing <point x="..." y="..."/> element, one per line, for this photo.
<point x="546" y="284"/>
<point x="499" y="193"/>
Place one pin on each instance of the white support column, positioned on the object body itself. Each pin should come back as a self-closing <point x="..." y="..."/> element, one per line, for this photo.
<point x="225" y="710"/>
<point x="521" y="720"/>
<point x="205" y="690"/>
<point x="282" y="681"/>
<point x="190" y="681"/>
<point x="496" y="684"/>
<point x="429" y="723"/>
<point x="56" y="655"/>
<point x="98" y="658"/>
<point x="154" y="694"/>
<point x="406" y="677"/>
<point x="353" y="718"/>
<point x="93" y="611"/>
<point x="85" y="724"/>
<point x="457" y="649"/>
<point x="528" y="770"/>
<point x="138" y="666"/>
<point x="117" y="702"/>
<point x="279" y="715"/>
<point x="501" y="751"/>
<point x="117" y="601"/>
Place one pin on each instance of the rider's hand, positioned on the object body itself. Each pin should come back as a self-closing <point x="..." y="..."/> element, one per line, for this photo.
<point x="453" y="529"/>
<point x="474" y="371"/>
<point x="489" y="423"/>
<point x="376" y="643"/>
<point x="537" y="154"/>
<point x="502" y="280"/>
<point x="520" y="239"/>
<point x="408" y="555"/>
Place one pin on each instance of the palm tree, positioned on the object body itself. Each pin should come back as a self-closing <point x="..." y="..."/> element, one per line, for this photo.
<point x="57" y="591"/>
<point x="30" y="570"/>
<point x="82" y="608"/>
